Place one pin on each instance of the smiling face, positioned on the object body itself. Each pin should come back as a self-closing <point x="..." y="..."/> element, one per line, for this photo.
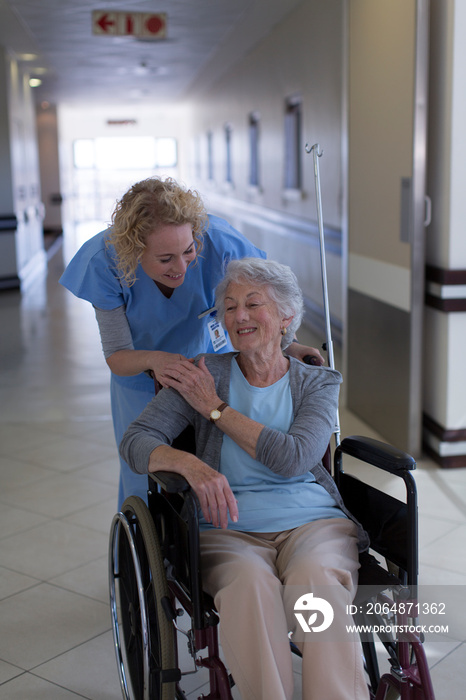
<point x="252" y="318"/>
<point x="168" y="253"/>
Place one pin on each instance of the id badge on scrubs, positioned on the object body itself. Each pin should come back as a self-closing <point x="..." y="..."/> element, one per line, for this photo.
<point x="217" y="334"/>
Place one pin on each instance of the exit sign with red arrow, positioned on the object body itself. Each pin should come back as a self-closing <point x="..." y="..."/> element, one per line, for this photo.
<point x="139" y="24"/>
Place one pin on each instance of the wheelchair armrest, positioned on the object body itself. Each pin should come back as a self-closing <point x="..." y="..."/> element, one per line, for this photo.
<point x="171" y="482"/>
<point x="379" y="454"/>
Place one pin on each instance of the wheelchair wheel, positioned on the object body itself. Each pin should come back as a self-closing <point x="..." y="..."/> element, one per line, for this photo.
<point x="144" y="636"/>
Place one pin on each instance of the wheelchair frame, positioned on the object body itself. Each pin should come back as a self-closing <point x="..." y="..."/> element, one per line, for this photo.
<point x="154" y="565"/>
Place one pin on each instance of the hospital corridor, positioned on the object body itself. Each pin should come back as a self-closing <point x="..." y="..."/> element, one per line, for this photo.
<point x="59" y="475"/>
<point x="330" y="137"/>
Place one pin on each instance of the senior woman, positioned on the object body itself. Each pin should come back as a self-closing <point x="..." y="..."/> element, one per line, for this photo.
<point x="273" y="523"/>
<point x="151" y="278"/>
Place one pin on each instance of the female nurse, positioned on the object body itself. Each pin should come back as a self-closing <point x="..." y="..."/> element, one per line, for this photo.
<point x="151" y="279"/>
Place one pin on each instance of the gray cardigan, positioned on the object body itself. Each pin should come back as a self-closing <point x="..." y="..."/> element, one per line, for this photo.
<point x="314" y="393"/>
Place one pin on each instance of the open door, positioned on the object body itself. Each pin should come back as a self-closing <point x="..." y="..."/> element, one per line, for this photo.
<point x="387" y="112"/>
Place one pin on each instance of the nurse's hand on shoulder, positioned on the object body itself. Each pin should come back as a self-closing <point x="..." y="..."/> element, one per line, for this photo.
<point x="159" y="361"/>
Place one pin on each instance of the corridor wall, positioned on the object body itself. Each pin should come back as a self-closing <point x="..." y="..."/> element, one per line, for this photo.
<point x="22" y="254"/>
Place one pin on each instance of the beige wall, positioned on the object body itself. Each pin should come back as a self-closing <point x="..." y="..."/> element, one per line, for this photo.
<point x="380" y="126"/>
<point x="447" y="141"/>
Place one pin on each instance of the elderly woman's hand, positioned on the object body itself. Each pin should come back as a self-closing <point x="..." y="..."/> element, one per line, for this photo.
<point x="195" y="384"/>
<point x="212" y="489"/>
<point x="214" y="494"/>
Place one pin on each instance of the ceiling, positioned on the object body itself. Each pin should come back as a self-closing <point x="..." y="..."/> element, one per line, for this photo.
<point x="203" y="39"/>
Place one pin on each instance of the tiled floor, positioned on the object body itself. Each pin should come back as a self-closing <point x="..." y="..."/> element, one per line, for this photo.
<point x="58" y="476"/>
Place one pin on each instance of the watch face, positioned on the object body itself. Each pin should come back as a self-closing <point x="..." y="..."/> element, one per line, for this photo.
<point x="215" y="415"/>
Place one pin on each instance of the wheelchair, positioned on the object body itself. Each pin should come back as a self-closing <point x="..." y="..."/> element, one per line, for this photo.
<point x="154" y="577"/>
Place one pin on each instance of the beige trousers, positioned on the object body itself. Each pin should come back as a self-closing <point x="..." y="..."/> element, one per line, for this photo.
<point x="256" y="579"/>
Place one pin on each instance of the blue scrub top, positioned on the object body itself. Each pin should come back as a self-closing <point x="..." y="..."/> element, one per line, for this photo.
<point x="158" y="323"/>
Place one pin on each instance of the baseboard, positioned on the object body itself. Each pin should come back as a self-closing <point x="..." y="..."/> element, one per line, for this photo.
<point x="446" y="447"/>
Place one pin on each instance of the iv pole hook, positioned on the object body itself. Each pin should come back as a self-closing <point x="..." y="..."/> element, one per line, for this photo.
<point x="315" y="147"/>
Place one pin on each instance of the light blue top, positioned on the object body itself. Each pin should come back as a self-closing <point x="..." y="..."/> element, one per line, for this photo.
<point x="268" y="502"/>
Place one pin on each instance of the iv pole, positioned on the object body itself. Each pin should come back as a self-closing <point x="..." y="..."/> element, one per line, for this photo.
<point x="317" y="153"/>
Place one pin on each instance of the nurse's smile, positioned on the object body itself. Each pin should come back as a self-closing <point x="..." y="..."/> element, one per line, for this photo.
<point x="168" y="253"/>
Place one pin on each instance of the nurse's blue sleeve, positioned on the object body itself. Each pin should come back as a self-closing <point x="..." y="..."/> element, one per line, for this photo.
<point x="91" y="276"/>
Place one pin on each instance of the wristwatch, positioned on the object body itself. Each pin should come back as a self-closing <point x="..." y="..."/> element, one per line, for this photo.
<point x="217" y="412"/>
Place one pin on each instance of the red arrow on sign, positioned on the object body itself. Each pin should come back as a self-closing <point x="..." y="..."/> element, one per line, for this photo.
<point x="105" y="23"/>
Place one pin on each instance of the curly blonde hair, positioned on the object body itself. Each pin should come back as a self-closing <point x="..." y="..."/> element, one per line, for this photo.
<point x="145" y="206"/>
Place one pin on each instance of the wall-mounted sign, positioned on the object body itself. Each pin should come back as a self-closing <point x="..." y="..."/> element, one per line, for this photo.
<point x="140" y="24"/>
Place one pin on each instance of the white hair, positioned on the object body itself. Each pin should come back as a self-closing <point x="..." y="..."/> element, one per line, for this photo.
<point x="282" y="286"/>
